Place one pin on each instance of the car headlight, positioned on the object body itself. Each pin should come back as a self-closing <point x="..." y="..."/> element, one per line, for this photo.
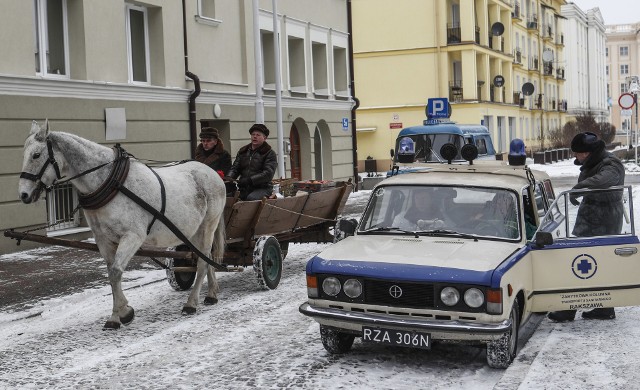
<point x="473" y="298"/>
<point x="352" y="288"/>
<point x="331" y="286"/>
<point x="449" y="296"/>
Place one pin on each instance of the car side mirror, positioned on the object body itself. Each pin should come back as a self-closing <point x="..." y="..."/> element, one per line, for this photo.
<point x="542" y="239"/>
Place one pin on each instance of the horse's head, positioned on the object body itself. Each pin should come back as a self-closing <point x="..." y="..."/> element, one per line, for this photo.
<point x="39" y="168"/>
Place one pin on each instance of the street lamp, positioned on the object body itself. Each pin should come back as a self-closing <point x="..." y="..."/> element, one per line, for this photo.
<point x="634" y="88"/>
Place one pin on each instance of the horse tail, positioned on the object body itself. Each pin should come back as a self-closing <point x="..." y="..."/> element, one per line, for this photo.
<point x="219" y="241"/>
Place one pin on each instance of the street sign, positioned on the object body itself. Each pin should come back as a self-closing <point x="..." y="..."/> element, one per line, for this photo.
<point x="626" y="101"/>
<point x="626" y="112"/>
<point x="498" y="81"/>
<point x="345" y="123"/>
<point x="438" y="108"/>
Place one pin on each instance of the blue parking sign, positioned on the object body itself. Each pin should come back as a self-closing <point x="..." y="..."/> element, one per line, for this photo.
<point x="345" y="123"/>
<point x="438" y="108"/>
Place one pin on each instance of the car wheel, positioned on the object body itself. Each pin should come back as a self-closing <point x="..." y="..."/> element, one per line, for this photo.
<point x="335" y="342"/>
<point x="501" y="352"/>
<point x="180" y="281"/>
<point x="267" y="262"/>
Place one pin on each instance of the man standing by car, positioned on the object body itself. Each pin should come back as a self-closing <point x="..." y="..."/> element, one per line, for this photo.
<point x="255" y="164"/>
<point x="599" y="214"/>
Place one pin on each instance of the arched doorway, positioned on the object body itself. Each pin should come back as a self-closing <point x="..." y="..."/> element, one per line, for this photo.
<point x="294" y="155"/>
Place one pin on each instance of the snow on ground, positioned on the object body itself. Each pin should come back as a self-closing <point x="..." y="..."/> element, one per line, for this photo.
<point x="258" y="339"/>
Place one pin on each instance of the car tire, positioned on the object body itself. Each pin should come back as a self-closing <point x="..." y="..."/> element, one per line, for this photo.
<point x="334" y="341"/>
<point x="501" y="352"/>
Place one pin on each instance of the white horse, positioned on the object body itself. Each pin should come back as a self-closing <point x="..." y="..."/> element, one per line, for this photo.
<point x="195" y="199"/>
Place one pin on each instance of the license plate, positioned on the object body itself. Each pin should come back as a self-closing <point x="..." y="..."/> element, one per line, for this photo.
<point x="396" y="337"/>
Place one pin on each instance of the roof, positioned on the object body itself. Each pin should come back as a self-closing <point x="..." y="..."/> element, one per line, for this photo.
<point x="448" y="128"/>
<point x="480" y="174"/>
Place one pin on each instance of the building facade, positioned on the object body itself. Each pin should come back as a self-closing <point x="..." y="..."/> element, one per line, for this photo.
<point x="477" y="53"/>
<point x="132" y="72"/>
<point x="585" y="56"/>
<point x="623" y="63"/>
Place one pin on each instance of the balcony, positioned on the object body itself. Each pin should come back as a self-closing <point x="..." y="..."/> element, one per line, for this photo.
<point x="454" y="33"/>
<point x="533" y="63"/>
<point x="517" y="56"/>
<point x="547" y="33"/>
<point x="517" y="99"/>
<point x="532" y="23"/>
<point x="562" y="105"/>
<point x="515" y="14"/>
<point x="455" y="91"/>
<point x="560" y="73"/>
<point x="547" y="68"/>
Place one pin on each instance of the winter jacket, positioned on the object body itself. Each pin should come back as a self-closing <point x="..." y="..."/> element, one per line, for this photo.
<point x="259" y="165"/>
<point x="217" y="158"/>
<point x="600" y="213"/>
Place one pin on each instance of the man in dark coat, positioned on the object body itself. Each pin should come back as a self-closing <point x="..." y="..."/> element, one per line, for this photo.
<point x="255" y="165"/>
<point x="211" y="151"/>
<point x="599" y="214"/>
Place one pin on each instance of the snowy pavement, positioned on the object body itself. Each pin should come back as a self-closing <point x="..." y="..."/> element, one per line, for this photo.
<point x="258" y="339"/>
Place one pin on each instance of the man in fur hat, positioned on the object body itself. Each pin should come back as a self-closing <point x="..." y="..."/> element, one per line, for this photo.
<point x="255" y="165"/>
<point x="211" y="151"/>
<point x="599" y="214"/>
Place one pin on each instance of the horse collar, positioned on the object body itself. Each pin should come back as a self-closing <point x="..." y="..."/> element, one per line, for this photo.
<point x="111" y="185"/>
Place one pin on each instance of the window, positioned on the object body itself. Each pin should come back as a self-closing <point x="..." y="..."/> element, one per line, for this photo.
<point x="624" y="51"/>
<point x="624" y="88"/>
<point x="61" y="202"/>
<point x="624" y="69"/>
<point x="607" y="70"/>
<point x="268" y="59"/>
<point x="138" y="44"/>
<point x="207" y="13"/>
<point x="297" y="74"/>
<point x="51" y="38"/>
<point x="606" y="52"/>
<point x="319" y="59"/>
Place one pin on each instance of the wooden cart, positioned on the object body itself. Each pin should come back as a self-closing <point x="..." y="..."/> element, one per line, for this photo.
<point x="258" y="234"/>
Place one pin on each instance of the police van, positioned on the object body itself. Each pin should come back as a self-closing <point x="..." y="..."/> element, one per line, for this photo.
<point x="418" y="145"/>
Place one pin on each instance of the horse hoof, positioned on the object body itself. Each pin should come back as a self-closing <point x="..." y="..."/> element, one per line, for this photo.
<point x="127" y="318"/>
<point x="111" y="325"/>
<point x="188" y="310"/>
<point x="210" y="301"/>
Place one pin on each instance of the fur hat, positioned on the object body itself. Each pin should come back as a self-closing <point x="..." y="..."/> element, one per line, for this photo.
<point x="261" y="128"/>
<point x="586" y="143"/>
<point x="209" y="132"/>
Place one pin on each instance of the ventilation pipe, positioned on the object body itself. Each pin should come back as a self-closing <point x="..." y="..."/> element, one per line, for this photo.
<point x="193" y="128"/>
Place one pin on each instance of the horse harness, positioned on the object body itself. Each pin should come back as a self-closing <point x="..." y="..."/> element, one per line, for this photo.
<point x="114" y="184"/>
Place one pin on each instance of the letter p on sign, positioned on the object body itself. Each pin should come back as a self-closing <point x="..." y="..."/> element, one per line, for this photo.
<point x="438" y="108"/>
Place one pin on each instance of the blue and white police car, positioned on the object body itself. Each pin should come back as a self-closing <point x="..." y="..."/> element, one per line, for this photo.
<point x="467" y="253"/>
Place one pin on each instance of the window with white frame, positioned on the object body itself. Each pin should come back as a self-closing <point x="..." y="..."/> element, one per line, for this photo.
<point x="607" y="70"/>
<point x="624" y="88"/>
<point x="51" y="44"/>
<point x="624" y="51"/>
<point x="138" y="44"/>
<point x="624" y="69"/>
<point x="207" y="13"/>
<point x="296" y="57"/>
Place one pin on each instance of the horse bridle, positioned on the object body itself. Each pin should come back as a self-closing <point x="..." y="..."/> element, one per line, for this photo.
<point x="51" y="160"/>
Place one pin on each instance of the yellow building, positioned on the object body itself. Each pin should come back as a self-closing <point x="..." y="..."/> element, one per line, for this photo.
<point x="408" y="51"/>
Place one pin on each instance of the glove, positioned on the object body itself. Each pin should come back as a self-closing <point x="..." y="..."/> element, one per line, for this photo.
<point x="574" y="200"/>
<point x="228" y="179"/>
<point x="244" y="181"/>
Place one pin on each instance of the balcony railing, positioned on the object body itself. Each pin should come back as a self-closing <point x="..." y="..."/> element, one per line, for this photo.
<point x="532" y="22"/>
<point x="517" y="56"/>
<point x="455" y="91"/>
<point x="515" y="14"/>
<point x="562" y="105"/>
<point x="533" y="63"/>
<point x="547" y="68"/>
<point x="517" y="99"/>
<point x="560" y="73"/>
<point x="454" y="33"/>
<point x="547" y="32"/>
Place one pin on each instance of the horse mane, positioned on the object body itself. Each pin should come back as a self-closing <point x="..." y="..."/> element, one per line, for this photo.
<point x="84" y="143"/>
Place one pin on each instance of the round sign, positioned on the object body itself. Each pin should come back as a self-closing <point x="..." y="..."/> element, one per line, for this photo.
<point x="626" y="101"/>
<point x="498" y="81"/>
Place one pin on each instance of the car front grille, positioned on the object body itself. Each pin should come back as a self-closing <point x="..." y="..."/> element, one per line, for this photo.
<point x="403" y="294"/>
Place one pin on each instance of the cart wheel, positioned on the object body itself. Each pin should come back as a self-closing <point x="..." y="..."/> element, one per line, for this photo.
<point x="267" y="262"/>
<point x="180" y="281"/>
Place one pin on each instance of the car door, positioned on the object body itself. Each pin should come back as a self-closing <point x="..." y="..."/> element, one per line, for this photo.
<point x="584" y="272"/>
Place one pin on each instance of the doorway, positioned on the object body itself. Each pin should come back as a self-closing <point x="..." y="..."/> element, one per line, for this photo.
<point x="294" y="155"/>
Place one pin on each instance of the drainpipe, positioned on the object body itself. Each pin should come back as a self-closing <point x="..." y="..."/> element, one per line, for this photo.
<point x="193" y="129"/>
<point x="354" y="140"/>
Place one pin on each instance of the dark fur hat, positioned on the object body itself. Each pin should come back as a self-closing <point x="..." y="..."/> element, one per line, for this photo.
<point x="261" y="128"/>
<point x="586" y="143"/>
<point x="209" y="132"/>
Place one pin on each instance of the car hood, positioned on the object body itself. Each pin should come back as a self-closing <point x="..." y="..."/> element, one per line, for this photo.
<point x="406" y="257"/>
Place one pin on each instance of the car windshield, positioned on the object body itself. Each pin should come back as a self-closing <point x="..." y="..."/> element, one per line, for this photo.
<point x="427" y="146"/>
<point x="446" y="210"/>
